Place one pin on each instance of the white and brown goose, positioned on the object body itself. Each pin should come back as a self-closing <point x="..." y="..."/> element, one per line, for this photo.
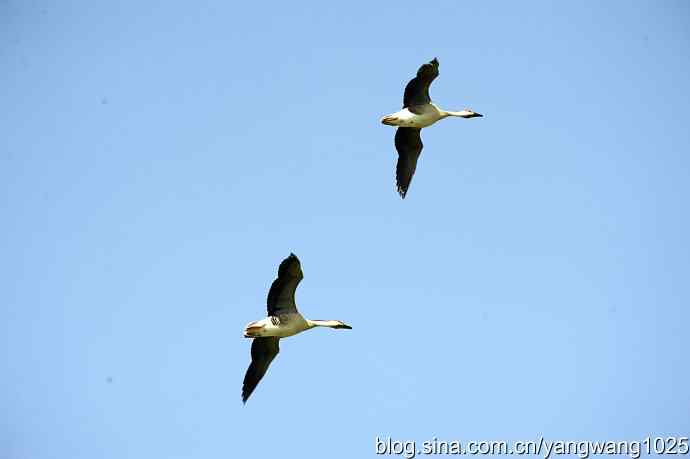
<point x="283" y="320"/>
<point x="418" y="112"/>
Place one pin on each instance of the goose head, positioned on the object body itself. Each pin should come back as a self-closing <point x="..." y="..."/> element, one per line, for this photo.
<point x="467" y="113"/>
<point x="341" y="324"/>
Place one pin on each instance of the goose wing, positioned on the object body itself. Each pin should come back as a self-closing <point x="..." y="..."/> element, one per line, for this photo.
<point x="281" y="296"/>
<point x="417" y="90"/>
<point x="408" y="142"/>
<point x="264" y="350"/>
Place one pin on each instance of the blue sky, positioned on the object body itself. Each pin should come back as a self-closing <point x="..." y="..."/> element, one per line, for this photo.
<point x="159" y="160"/>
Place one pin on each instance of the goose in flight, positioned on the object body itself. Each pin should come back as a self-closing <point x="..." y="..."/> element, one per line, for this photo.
<point x="418" y="112"/>
<point x="283" y="320"/>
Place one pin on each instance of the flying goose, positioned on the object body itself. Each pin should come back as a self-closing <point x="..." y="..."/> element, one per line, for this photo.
<point x="418" y="112"/>
<point x="283" y="320"/>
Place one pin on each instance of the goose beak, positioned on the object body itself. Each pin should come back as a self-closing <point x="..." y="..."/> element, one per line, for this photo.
<point x="345" y="326"/>
<point x="478" y="115"/>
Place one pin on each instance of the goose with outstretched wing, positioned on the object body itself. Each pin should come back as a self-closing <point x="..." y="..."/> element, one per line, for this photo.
<point x="418" y="112"/>
<point x="283" y="320"/>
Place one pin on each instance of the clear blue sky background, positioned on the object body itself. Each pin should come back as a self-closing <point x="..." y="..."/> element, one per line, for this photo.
<point x="158" y="160"/>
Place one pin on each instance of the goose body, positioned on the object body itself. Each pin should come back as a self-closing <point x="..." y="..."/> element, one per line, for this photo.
<point x="283" y="321"/>
<point x="278" y="326"/>
<point x="418" y="112"/>
<point x="284" y="325"/>
<point x="422" y="116"/>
